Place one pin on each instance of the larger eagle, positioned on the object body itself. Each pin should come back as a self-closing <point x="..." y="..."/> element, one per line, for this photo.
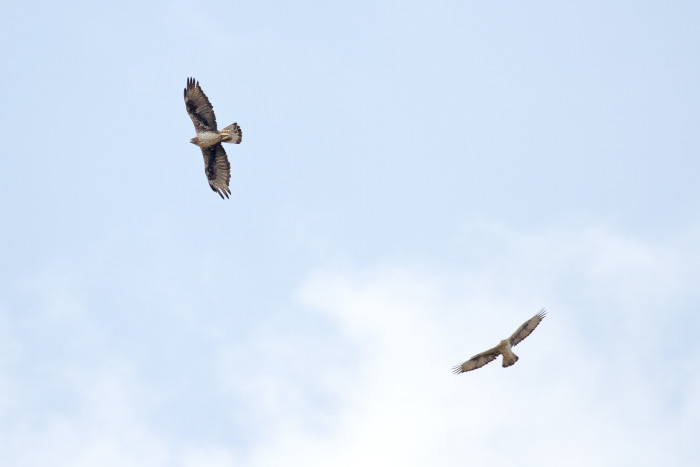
<point x="209" y="139"/>
<point x="503" y="348"/>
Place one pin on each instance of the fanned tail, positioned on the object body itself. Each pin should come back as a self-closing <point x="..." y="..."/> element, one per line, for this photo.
<point x="509" y="360"/>
<point x="232" y="134"/>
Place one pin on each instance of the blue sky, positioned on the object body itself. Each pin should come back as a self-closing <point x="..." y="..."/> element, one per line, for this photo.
<point x="415" y="180"/>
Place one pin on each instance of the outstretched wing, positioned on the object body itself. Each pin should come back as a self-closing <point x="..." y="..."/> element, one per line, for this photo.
<point x="217" y="168"/>
<point x="477" y="361"/>
<point x="527" y="327"/>
<point x="199" y="108"/>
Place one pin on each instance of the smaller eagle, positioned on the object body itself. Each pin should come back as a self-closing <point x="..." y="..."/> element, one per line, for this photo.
<point x="209" y="139"/>
<point x="504" y="348"/>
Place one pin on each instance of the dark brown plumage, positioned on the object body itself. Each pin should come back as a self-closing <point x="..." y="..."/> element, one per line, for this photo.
<point x="209" y="139"/>
<point x="503" y="348"/>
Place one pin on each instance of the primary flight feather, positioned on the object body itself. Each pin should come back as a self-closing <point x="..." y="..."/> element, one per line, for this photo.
<point x="503" y="348"/>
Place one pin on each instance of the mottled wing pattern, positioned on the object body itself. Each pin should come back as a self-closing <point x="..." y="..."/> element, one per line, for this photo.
<point x="477" y="361"/>
<point x="199" y="108"/>
<point x="527" y="327"/>
<point x="218" y="169"/>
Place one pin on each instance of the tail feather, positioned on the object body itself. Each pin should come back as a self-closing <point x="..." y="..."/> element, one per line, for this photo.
<point x="509" y="360"/>
<point x="232" y="134"/>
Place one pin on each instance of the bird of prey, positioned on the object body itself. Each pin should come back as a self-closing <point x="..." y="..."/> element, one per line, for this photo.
<point x="504" y="348"/>
<point x="209" y="139"/>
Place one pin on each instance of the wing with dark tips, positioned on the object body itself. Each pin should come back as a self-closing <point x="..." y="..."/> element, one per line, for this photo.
<point x="477" y="361"/>
<point x="218" y="169"/>
<point x="527" y="327"/>
<point x="199" y="108"/>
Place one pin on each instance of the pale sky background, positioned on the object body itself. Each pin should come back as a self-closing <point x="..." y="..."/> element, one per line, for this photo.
<point x="415" y="180"/>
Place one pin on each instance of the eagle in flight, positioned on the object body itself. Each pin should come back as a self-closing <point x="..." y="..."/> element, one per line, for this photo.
<point x="504" y="348"/>
<point x="209" y="140"/>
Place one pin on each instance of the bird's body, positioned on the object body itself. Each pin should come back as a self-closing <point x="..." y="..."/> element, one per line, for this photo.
<point x="209" y="139"/>
<point x="509" y="358"/>
<point x="503" y="348"/>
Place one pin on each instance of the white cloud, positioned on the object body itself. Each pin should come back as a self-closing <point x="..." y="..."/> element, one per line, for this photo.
<point x="577" y="396"/>
<point x="360" y="374"/>
<point x="105" y="428"/>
